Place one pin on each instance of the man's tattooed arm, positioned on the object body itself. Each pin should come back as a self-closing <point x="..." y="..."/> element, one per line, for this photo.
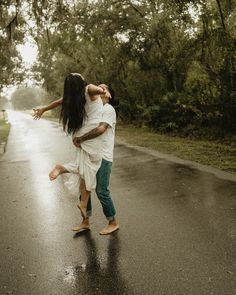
<point x="102" y="127"/>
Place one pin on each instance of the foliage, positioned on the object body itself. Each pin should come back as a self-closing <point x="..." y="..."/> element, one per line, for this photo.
<point x="172" y="63"/>
<point x="4" y="103"/>
<point x="11" y="34"/>
<point x="25" y="98"/>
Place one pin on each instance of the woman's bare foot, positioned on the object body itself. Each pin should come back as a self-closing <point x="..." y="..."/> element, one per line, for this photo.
<point x="57" y="170"/>
<point x="83" y="226"/>
<point x="110" y="228"/>
<point x="83" y="210"/>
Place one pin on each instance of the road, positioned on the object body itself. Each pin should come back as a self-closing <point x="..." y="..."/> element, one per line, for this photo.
<point x="177" y="223"/>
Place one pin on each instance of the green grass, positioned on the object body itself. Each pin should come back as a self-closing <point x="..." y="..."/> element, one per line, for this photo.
<point x="214" y="153"/>
<point x="4" y="131"/>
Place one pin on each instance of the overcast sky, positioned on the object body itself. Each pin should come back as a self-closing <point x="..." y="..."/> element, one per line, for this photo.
<point x="29" y="53"/>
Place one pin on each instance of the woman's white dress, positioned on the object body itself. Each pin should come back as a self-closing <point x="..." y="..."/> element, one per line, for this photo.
<point x="89" y="156"/>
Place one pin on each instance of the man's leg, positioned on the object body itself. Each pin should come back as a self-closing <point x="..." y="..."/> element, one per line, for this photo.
<point x="103" y="193"/>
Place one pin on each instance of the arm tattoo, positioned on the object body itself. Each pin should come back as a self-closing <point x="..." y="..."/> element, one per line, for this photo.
<point x="93" y="133"/>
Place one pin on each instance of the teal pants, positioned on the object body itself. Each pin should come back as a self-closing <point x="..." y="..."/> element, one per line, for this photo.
<point x="103" y="192"/>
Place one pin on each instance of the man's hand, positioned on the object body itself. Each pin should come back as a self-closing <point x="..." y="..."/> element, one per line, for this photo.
<point x="77" y="142"/>
<point x="102" y="127"/>
<point x="37" y="113"/>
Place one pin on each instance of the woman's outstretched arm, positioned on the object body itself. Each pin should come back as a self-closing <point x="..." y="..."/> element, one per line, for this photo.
<point x="38" y="112"/>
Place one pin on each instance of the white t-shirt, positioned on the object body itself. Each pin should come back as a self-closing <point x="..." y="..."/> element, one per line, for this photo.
<point x="108" y="137"/>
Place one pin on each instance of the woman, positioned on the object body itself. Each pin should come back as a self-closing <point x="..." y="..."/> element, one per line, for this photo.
<point x="81" y="112"/>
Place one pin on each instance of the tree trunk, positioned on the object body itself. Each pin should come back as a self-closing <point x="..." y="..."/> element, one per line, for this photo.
<point x="221" y="14"/>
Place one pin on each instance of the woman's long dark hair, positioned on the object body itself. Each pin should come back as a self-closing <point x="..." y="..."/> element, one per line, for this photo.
<point x="73" y="111"/>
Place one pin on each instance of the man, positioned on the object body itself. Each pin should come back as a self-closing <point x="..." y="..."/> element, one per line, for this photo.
<point x="106" y="129"/>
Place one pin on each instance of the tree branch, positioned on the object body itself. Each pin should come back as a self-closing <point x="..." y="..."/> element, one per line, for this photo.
<point x="136" y="9"/>
<point x="221" y="14"/>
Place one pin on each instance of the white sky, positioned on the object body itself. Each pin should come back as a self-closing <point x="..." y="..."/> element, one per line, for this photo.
<point x="29" y="53"/>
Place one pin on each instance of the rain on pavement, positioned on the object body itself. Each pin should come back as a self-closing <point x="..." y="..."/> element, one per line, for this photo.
<point x="177" y="223"/>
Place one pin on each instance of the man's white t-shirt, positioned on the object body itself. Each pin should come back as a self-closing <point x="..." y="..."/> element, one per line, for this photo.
<point x="108" y="137"/>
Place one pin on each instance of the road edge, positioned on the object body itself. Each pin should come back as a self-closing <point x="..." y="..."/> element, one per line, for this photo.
<point x="204" y="168"/>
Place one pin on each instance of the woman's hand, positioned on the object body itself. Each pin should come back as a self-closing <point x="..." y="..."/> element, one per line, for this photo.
<point x="107" y="94"/>
<point x="102" y="90"/>
<point x="38" y="113"/>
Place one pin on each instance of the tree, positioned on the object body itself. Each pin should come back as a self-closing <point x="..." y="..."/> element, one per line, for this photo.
<point x="28" y="97"/>
<point x="172" y="63"/>
<point x="11" y="34"/>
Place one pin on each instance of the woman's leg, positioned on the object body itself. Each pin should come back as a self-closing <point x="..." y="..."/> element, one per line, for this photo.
<point x="84" y="199"/>
<point x="84" y="225"/>
<point x="57" y="170"/>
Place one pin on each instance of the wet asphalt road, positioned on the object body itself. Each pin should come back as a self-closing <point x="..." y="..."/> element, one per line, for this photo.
<point x="178" y="223"/>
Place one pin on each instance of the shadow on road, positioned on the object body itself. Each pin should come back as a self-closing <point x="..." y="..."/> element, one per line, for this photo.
<point x="95" y="276"/>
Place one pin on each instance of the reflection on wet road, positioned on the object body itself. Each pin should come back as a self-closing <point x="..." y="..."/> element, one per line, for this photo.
<point x="178" y="224"/>
<point x="99" y="273"/>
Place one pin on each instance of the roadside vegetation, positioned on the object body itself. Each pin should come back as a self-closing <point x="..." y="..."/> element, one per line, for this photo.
<point x="172" y="63"/>
<point x="4" y="131"/>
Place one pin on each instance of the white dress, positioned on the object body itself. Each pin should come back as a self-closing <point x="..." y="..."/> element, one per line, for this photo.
<point x="89" y="156"/>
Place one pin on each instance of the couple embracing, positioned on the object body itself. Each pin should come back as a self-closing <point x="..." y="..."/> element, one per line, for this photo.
<point x="88" y="115"/>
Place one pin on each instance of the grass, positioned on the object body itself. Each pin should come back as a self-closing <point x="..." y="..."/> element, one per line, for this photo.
<point x="4" y="131"/>
<point x="208" y="152"/>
